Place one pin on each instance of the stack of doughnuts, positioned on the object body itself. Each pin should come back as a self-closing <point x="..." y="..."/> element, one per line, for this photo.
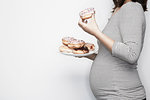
<point x="87" y="13"/>
<point x="75" y="46"/>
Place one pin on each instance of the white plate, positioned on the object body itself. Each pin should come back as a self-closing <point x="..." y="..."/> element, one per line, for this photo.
<point x="78" y="55"/>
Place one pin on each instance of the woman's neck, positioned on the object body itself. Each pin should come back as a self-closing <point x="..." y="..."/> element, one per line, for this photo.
<point x="127" y="1"/>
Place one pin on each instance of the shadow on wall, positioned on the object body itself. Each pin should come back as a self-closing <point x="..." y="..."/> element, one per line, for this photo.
<point x="144" y="63"/>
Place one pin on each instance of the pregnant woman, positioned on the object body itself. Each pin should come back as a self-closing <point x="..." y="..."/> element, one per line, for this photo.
<point x="114" y="74"/>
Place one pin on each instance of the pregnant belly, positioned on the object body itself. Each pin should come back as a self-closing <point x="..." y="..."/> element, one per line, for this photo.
<point x="107" y="79"/>
<point x="101" y="77"/>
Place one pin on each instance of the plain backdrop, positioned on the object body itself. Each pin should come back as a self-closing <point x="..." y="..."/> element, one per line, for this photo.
<point x="31" y="68"/>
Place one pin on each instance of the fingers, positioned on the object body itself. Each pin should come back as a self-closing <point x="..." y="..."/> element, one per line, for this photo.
<point x="81" y="23"/>
<point x="83" y="20"/>
<point x="93" y="16"/>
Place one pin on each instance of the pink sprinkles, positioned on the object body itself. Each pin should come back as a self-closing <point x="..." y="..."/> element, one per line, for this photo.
<point x="73" y="40"/>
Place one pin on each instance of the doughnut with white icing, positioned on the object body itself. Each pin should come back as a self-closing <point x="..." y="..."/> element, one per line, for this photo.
<point x="72" y="42"/>
<point x="87" y="13"/>
<point x="67" y="40"/>
<point x="76" y="44"/>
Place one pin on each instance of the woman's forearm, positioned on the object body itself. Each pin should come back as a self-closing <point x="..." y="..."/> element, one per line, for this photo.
<point x="107" y="41"/>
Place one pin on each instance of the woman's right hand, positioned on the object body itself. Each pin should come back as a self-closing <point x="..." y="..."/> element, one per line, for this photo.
<point x="91" y="57"/>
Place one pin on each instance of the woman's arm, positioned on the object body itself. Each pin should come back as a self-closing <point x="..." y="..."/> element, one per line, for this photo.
<point x="131" y="28"/>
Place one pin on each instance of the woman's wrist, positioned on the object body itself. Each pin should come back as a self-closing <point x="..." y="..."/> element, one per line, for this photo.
<point x="97" y="33"/>
<point x="107" y="41"/>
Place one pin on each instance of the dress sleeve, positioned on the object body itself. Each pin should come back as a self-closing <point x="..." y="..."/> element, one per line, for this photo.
<point x="131" y="29"/>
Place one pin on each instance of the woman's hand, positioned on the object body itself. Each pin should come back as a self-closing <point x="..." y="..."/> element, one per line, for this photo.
<point x="91" y="57"/>
<point x="90" y="27"/>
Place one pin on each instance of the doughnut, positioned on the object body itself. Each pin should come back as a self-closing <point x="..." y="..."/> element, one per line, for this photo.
<point x="79" y="51"/>
<point x="87" y="13"/>
<point x="66" y="40"/>
<point x="65" y="49"/>
<point x="90" y="46"/>
<point x="72" y="42"/>
<point x="76" y="44"/>
<point x="82" y="50"/>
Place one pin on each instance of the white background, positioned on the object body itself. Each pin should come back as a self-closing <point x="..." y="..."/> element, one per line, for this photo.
<point x="30" y="33"/>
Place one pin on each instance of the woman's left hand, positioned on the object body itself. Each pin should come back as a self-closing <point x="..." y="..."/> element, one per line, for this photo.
<point x="90" y="27"/>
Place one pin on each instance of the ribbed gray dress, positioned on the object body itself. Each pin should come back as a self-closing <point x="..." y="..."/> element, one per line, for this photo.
<point x="114" y="75"/>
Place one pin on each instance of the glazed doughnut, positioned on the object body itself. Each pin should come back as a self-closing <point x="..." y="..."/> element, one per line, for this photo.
<point x="87" y="13"/>
<point x="65" y="49"/>
<point x="90" y="46"/>
<point x="80" y="51"/>
<point x="67" y="40"/>
<point x="72" y="42"/>
<point x="76" y="44"/>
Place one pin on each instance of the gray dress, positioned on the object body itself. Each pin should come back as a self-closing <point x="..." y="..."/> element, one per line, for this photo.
<point x="114" y="75"/>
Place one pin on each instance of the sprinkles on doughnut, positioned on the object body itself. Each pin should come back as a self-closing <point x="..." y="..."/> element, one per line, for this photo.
<point x="72" y="42"/>
<point x="87" y="13"/>
<point x="75" y="46"/>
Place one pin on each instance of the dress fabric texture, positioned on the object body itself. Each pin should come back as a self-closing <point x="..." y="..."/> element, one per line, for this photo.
<point x="114" y="75"/>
